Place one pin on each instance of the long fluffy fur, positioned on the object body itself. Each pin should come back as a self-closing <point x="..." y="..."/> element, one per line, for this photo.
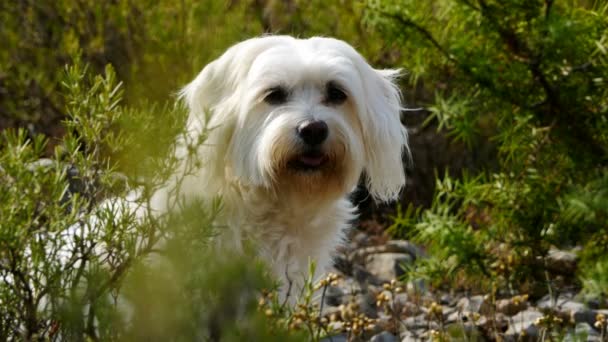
<point x="294" y="217"/>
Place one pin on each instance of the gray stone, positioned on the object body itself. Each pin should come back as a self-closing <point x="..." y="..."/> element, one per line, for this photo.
<point x="495" y="322"/>
<point x="562" y="262"/>
<point x="363" y="277"/>
<point x="349" y="286"/>
<point x="567" y="307"/>
<point x="367" y="305"/>
<point x="412" y="335"/>
<point x="416" y="286"/>
<point x="419" y="322"/>
<point x="578" y="312"/>
<point x="393" y="246"/>
<point x="400" y="300"/>
<point x="360" y="239"/>
<point x="548" y="301"/>
<point x="479" y="304"/>
<point x="384" y="336"/>
<point x="403" y="246"/>
<point x="335" y="338"/>
<point x="455" y="315"/>
<point x="333" y="296"/>
<point x="524" y="322"/>
<point x="446" y="299"/>
<point x="510" y="307"/>
<point x="387" y="266"/>
<point x="43" y="163"/>
<point x="582" y="332"/>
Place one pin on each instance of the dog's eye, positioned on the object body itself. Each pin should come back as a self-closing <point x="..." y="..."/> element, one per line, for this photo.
<point x="334" y="95"/>
<point x="276" y="96"/>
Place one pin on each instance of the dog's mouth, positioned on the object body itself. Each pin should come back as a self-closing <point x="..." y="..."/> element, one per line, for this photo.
<point x="309" y="161"/>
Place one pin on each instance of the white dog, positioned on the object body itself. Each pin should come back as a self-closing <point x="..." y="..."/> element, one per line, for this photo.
<point x="293" y="125"/>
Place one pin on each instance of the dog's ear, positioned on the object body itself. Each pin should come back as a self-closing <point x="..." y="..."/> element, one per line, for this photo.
<point x="211" y="86"/>
<point x="218" y="83"/>
<point x="211" y="101"/>
<point x="385" y="138"/>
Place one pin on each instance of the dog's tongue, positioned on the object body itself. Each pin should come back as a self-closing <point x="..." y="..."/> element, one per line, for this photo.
<point x="312" y="159"/>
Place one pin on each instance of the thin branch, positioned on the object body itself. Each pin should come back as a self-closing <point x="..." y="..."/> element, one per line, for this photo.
<point x="520" y="49"/>
<point x="548" y="6"/>
<point x="423" y="31"/>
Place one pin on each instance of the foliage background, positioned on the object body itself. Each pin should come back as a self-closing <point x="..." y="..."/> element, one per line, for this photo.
<point x="509" y="127"/>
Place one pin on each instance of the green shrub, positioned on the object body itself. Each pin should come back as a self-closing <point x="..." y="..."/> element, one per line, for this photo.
<point x="529" y="76"/>
<point x="78" y="261"/>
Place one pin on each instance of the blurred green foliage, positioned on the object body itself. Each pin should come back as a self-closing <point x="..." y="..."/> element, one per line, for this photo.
<point x="155" y="46"/>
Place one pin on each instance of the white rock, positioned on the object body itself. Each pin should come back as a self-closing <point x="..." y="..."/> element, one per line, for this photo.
<point x="387" y="266"/>
<point x="384" y="336"/>
<point x="524" y="322"/>
<point x="479" y="304"/>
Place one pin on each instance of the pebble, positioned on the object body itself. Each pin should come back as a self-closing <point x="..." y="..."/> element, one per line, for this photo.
<point x="510" y="306"/>
<point x="478" y="304"/>
<point x="477" y="317"/>
<point x="523" y="325"/>
<point x="384" y="336"/>
<point x="387" y="266"/>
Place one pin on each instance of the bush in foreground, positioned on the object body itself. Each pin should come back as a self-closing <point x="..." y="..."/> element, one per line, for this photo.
<point x="79" y="261"/>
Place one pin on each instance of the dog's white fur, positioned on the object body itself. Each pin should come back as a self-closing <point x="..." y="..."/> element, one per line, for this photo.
<point x="293" y="216"/>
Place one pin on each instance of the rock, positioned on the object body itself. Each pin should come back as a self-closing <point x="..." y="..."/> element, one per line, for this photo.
<point x="583" y="332"/>
<point x="593" y="303"/>
<point x="363" y="277"/>
<point x="410" y="309"/>
<point x="577" y="312"/>
<point x="549" y="301"/>
<point x="333" y="296"/>
<point x="478" y="304"/>
<point x="511" y="306"/>
<point x="367" y="305"/>
<point x="419" y="322"/>
<point x="387" y="266"/>
<point x="400" y="301"/>
<point x="335" y="338"/>
<point x="523" y="326"/>
<point x="42" y="163"/>
<point x="455" y="315"/>
<point x="384" y="336"/>
<point x="496" y="322"/>
<point x="403" y="246"/>
<point x="568" y="308"/>
<point x="350" y="286"/>
<point x="412" y="335"/>
<point x="561" y="262"/>
<point x="342" y="264"/>
<point x="393" y="246"/>
<point x="360" y="239"/>
<point x="416" y="286"/>
<point x="446" y="299"/>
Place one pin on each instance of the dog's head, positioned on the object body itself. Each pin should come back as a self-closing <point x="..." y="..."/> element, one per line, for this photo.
<point x="300" y="115"/>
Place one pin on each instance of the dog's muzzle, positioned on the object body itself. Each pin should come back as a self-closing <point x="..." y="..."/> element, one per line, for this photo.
<point x="313" y="133"/>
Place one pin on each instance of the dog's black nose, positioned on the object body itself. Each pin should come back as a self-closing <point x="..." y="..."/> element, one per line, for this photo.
<point x="313" y="132"/>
